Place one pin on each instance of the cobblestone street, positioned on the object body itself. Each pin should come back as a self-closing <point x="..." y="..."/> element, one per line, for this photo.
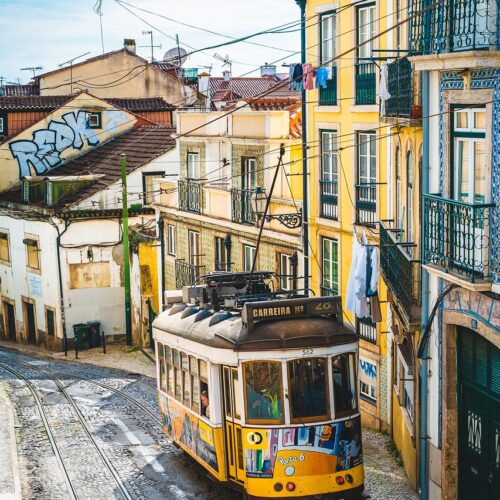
<point x="105" y="439"/>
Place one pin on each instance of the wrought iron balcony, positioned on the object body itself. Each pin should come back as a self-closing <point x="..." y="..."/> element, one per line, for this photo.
<point x="366" y="329"/>
<point x="453" y="26"/>
<point x="329" y="199"/>
<point x="401" y="87"/>
<point x="242" y="210"/>
<point x="401" y="273"/>
<point x="186" y="274"/>
<point x="366" y="205"/>
<point x="190" y="195"/>
<point x="457" y="236"/>
<point x="366" y="86"/>
<point x="328" y="95"/>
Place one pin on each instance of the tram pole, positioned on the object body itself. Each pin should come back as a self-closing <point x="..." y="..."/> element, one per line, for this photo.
<point x="126" y="257"/>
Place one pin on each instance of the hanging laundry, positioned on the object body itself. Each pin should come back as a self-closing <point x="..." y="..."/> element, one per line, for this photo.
<point x="296" y="83"/>
<point x="384" y="87"/>
<point x="291" y="83"/>
<point x="329" y="73"/>
<point x="372" y="284"/>
<point x="321" y="77"/>
<point x="308" y="72"/>
<point x="356" y="300"/>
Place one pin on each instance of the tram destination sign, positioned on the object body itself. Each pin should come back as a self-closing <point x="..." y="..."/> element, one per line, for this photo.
<point x="254" y="312"/>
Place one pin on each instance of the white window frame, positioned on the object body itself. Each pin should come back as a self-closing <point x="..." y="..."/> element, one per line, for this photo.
<point x="221" y="253"/>
<point x="410" y="169"/>
<point x="249" y="173"/>
<point x="193" y="165"/>
<point x="285" y="271"/>
<point x="171" y="239"/>
<point x="366" y="31"/>
<point x="248" y="257"/>
<point x="331" y="264"/>
<point x="365" y="141"/>
<point x="2" y="125"/>
<point x="328" y="28"/>
<point x="94" y="119"/>
<point x="329" y="156"/>
<point x="194" y="247"/>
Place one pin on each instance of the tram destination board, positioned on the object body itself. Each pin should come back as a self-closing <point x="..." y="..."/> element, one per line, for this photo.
<point x="254" y="312"/>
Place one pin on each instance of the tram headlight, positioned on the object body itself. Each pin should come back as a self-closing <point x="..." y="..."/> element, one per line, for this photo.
<point x="340" y="480"/>
<point x="278" y="486"/>
<point x="348" y="478"/>
<point x="290" y="486"/>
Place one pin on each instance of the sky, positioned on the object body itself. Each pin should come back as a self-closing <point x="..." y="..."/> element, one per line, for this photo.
<point x="50" y="32"/>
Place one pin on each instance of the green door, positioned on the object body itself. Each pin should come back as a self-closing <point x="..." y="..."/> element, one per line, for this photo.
<point x="479" y="418"/>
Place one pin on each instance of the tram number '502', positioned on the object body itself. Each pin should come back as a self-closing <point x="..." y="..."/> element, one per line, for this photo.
<point x="307" y="352"/>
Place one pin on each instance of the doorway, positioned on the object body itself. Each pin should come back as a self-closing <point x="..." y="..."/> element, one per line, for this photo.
<point x="9" y="321"/>
<point x="29" y="310"/>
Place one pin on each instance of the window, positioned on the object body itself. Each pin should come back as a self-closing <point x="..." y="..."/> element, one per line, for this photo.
<point x="367" y="158"/>
<point x="330" y="276"/>
<point x="248" y="257"/>
<point x="171" y="239"/>
<point x="221" y="257"/>
<point x="344" y="385"/>
<point x="409" y="198"/>
<point x="365" y="30"/>
<point x="193" y="165"/>
<point x="2" y="126"/>
<point x="194" y="248"/>
<point x="263" y="392"/>
<point x="248" y="173"/>
<point x="327" y="37"/>
<point x="470" y="183"/>
<point x="308" y="386"/>
<point x="150" y="186"/>
<point x="32" y="253"/>
<point x="285" y="271"/>
<point x="94" y="120"/>
<point x="50" y="323"/>
<point x="368" y="381"/>
<point x="4" y="248"/>
<point x="398" y="214"/>
<point x="329" y="174"/>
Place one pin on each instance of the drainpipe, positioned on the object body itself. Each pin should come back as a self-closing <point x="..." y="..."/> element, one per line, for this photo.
<point x="161" y="227"/>
<point x="61" y="289"/>
<point x="425" y="295"/>
<point x="305" y="175"/>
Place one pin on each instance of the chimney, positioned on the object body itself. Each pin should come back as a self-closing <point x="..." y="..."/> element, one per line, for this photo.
<point x="204" y="87"/>
<point x="227" y="75"/>
<point x="268" y="70"/>
<point x="129" y="44"/>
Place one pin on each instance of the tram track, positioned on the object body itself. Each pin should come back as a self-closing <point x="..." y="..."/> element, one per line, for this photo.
<point x="83" y="423"/>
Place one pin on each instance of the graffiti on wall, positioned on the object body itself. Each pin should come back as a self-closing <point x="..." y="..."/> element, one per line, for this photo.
<point x="43" y="151"/>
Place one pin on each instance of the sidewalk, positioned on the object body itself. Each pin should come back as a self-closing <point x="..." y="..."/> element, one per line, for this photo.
<point x="117" y="356"/>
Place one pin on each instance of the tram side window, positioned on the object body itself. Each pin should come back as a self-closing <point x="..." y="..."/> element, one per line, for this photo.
<point x="263" y="391"/>
<point x="177" y="375"/>
<point x="195" y="384"/>
<point x="161" y="362"/>
<point x="204" y="393"/>
<point x="308" y="387"/>
<point x="170" y="370"/>
<point x="344" y="384"/>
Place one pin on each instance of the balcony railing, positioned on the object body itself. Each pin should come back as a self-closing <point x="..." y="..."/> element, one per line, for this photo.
<point x="190" y="196"/>
<point x="366" y="86"/>
<point x="222" y="266"/>
<point x="328" y="95"/>
<point x="329" y="191"/>
<point x="326" y="291"/>
<point x="400" y="85"/>
<point x="186" y="274"/>
<point x="401" y="273"/>
<point x="366" y="329"/>
<point x="457" y="236"/>
<point x="453" y="26"/>
<point x="366" y="205"/>
<point x="242" y="210"/>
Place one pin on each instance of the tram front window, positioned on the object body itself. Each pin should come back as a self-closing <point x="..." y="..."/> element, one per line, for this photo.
<point x="263" y="392"/>
<point x="344" y="384"/>
<point x="308" y="388"/>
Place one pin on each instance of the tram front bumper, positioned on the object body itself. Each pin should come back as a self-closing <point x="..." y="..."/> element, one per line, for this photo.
<point x="352" y="494"/>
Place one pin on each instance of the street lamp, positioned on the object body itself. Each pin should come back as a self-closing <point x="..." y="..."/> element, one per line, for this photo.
<point x="260" y="200"/>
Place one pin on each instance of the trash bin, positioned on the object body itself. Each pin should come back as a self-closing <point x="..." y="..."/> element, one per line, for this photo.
<point x="82" y="336"/>
<point x="95" y="333"/>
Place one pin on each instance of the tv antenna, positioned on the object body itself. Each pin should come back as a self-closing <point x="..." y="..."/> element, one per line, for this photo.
<point x="70" y="62"/>
<point x="32" y="68"/>
<point x="225" y="61"/>
<point x="151" y="45"/>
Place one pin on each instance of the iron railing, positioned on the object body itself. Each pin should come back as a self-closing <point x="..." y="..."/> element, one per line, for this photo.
<point x="401" y="273"/>
<point x="222" y="266"/>
<point x="367" y="329"/>
<point x="453" y="26"/>
<point x="366" y="86"/>
<point x="326" y="291"/>
<point x="400" y="88"/>
<point x="185" y="273"/>
<point x="329" y="191"/>
<point x="366" y="204"/>
<point x="190" y="195"/>
<point x="328" y="95"/>
<point x="242" y="209"/>
<point x="456" y="236"/>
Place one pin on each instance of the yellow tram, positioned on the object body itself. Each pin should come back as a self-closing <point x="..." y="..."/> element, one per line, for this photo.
<point x="261" y="389"/>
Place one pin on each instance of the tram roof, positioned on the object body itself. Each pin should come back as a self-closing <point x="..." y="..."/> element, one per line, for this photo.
<point x="254" y="329"/>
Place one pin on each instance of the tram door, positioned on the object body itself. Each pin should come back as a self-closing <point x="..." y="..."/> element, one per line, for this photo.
<point x="232" y="410"/>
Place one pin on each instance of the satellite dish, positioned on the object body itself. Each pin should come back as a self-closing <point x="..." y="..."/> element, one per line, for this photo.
<point x="176" y="56"/>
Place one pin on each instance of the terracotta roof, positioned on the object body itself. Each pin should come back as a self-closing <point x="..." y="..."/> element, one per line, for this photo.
<point x="140" y="144"/>
<point x="48" y="103"/>
<point x="275" y="103"/>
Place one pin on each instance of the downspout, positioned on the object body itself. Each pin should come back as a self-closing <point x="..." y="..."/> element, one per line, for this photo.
<point x="305" y="174"/>
<point x="425" y="294"/>
<point x="161" y="230"/>
<point x="61" y="289"/>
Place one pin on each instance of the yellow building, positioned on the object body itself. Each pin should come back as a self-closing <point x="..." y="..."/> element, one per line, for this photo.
<point x="348" y="155"/>
<point x="208" y="212"/>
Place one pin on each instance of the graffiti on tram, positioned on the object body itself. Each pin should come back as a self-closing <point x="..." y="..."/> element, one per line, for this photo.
<point x="308" y="450"/>
<point x="189" y="430"/>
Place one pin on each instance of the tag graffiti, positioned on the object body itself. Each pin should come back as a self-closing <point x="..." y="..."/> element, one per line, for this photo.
<point x="286" y="461"/>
